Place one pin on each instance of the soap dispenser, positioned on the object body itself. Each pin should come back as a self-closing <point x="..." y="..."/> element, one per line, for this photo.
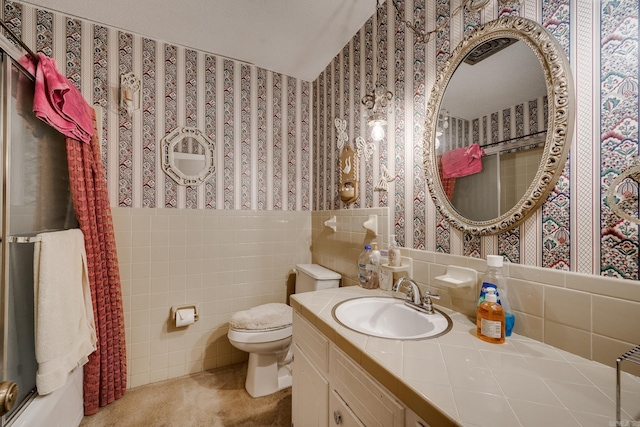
<point x="494" y="279"/>
<point x="491" y="319"/>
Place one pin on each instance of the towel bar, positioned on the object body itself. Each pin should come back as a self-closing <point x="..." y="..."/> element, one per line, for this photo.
<point x="24" y="239"/>
<point x="632" y="356"/>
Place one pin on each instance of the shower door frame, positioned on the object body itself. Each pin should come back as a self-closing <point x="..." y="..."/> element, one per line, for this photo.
<point x="6" y="62"/>
<point x="9" y="55"/>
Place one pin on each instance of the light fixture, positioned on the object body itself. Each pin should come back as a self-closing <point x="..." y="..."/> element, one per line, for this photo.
<point x="423" y="36"/>
<point x="443" y="125"/>
<point x="376" y="100"/>
<point x="129" y="92"/>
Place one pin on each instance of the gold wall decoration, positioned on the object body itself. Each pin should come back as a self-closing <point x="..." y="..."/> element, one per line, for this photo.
<point x="349" y="171"/>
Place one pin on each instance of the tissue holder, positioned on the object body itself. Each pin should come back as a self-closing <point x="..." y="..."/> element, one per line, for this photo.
<point x="174" y="313"/>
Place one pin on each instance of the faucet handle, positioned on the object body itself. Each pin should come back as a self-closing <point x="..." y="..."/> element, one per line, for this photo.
<point x="427" y="294"/>
<point x="427" y="303"/>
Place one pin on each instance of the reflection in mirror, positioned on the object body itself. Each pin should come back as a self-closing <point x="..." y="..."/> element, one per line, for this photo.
<point x="497" y="125"/>
<point x="191" y="162"/>
<point x="188" y="156"/>
<point x="496" y="101"/>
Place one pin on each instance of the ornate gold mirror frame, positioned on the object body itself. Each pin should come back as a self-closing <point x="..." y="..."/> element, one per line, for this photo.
<point x="560" y="103"/>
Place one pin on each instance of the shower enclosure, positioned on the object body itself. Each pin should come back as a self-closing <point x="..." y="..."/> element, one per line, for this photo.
<point x="35" y="198"/>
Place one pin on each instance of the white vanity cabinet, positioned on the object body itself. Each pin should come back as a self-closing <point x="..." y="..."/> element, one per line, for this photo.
<point x="310" y="397"/>
<point x="330" y="389"/>
<point x="372" y="405"/>
<point x="311" y="392"/>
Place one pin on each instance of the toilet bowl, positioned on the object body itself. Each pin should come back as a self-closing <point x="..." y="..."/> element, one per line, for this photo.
<point x="267" y="342"/>
<point x="265" y="333"/>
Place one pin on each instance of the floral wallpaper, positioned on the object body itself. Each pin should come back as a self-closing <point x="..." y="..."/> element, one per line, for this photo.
<point x="574" y="230"/>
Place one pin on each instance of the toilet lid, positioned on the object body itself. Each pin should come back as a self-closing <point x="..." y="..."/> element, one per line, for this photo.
<point x="263" y="317"/>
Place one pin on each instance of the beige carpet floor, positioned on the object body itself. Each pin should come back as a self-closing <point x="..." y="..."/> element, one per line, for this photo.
<point x="215" y="398"/>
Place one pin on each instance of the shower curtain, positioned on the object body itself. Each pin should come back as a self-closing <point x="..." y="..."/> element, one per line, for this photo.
<point x="105" y="375"/>
<point x="60" y="104"/>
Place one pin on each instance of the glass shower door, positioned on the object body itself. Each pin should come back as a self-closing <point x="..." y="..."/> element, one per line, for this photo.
<point x="35" y="198"/>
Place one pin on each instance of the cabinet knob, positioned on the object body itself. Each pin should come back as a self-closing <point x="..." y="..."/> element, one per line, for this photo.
<point x="337" y="417"/>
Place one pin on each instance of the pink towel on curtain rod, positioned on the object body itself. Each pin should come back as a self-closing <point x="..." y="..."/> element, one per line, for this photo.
<point x="57" y="101"/>
<point x="462" y="161"/>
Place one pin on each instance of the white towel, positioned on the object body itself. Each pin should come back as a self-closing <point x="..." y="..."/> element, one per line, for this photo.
<point x="64" y="323"/>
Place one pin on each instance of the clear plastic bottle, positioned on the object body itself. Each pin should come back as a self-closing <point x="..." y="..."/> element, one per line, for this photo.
<point x="490" y="319"/>
<point x="493" y="279"/>
<point x="368" y="264"/>
<point x="395" y="257"/>
<point x="375" y="263"/>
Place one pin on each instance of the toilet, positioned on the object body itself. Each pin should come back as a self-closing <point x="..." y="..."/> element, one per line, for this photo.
<point x="265" y="333"/>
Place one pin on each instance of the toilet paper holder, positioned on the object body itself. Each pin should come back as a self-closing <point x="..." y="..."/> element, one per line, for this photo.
<point x="175" y="308"/>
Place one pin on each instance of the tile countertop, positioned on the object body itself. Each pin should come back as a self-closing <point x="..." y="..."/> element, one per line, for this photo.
<point x="457" y="379"/>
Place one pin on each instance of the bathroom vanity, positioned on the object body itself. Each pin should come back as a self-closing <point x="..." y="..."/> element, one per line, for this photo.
<point x="341" y="377"/>
<point x="330" y="387"/>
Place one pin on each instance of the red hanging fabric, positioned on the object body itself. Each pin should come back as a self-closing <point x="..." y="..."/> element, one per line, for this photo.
<point x="105" y="375"/>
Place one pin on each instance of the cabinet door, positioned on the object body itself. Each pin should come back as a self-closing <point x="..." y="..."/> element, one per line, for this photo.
<point x="340" y="414"/>
<point x="413" y="420"/>
<point x="373" y="405"/>
<point x="310" y="393"/>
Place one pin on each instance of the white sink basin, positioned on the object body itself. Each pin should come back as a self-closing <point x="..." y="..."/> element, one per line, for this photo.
<point x="387" y="317"/>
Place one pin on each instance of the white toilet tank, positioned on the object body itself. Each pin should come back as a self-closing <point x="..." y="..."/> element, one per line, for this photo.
<point x="314" y="277"/>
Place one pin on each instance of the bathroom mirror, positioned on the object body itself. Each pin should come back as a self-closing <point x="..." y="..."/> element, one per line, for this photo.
<point x="498" y="126"/>
<point x="188" y="156"/>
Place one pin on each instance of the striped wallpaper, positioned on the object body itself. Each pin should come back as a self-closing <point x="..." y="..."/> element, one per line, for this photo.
<point x="260" y="121"/>
<point x="574" y="230"/>
<point x="277" y="143"/>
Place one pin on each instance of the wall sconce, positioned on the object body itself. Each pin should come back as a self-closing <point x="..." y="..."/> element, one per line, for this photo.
<point x="423" y="36"/>
<point x="376" y="103"/>
<point x="376" y="100"/>
<point x="129" y="92"/>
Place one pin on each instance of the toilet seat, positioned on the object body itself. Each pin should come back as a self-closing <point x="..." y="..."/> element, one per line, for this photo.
<point x="263" y="317"/>
<point x="257" y="336"/>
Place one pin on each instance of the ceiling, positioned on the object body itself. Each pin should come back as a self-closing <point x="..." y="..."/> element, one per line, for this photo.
<point x="297" y="38"/>
<point x="510" y="77"/>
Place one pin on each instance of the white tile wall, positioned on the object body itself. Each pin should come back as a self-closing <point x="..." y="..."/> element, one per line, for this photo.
<point x="222" y="261"/>
<point x="591" y="316"/>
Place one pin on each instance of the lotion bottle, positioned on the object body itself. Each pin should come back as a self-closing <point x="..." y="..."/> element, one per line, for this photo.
<point x="375" y="265"/>
<point x="490" y="319"/>
<point x="395" y="257"/>
<point x="368" y="264"/>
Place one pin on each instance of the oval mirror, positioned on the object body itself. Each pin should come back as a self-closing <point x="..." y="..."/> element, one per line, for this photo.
<point x="188" y="156"/>
<point x="498" y="126"/>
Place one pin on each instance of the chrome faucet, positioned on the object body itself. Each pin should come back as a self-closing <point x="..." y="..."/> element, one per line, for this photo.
<point x="414" y="299"/>
<point x="413" y="293"/>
